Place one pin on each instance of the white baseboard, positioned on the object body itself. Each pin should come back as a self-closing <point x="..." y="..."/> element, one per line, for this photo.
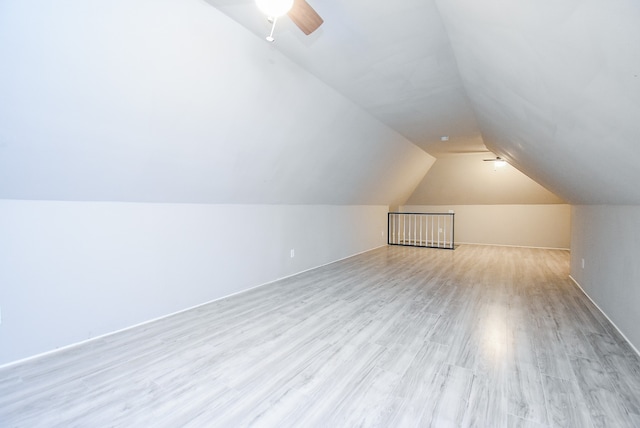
<point x="513" y="246"/>
<point x="101" y="336"/>
<point x="605" y="315"/>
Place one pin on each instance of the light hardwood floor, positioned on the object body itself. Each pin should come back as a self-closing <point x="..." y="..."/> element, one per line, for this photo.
<point x="397" y="337"/>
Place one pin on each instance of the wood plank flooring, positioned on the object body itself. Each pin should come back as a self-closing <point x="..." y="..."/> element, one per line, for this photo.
<point x="397" y="337"/>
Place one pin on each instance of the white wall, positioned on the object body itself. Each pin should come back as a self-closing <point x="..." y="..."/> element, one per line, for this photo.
<point x="165" y="102"/>
<point x="74" y="270"/>
<point x="539" y="225"/>
<point x="172" y="101"/>
<point x="493" y="205"/>
<point x="608" y="239"/>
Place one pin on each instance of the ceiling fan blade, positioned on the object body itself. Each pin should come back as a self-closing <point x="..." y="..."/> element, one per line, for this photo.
<point x="305" y="17"/>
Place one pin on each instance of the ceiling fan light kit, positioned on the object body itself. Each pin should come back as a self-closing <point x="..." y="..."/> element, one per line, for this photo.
<point x="274" y="8"/>
<point x="300" y="12"/>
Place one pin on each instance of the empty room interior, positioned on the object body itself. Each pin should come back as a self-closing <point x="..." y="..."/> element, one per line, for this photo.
<point x="198" y="213"/>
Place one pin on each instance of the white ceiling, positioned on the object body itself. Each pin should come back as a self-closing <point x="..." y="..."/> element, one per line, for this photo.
<point x="553" y="86"/>
<point x="176" y="101"/>
<point x="393" y="59"/>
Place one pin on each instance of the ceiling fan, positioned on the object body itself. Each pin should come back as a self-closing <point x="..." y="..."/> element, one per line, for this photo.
<point x="497" y="162"/>
<point x="300" y="12"/>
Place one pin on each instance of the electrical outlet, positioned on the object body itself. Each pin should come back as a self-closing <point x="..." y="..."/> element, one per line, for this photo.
<point x="582" y="263"/>
<point x="293" y="253"/>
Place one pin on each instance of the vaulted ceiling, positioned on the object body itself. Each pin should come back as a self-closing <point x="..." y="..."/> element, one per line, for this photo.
<point x="184" y="100"/>
<point x="392" y="58"/>
<point x="172" y="102"/>
<point x="553" y="86"/>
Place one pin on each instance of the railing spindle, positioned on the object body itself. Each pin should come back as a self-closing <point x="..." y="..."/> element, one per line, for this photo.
<point x="420" y="230"/>
<point x="444" y="242"/>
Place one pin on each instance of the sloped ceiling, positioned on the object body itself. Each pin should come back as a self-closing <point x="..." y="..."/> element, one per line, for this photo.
<point x="465" y="179"/>
<point x="552" y="86"/>
<point x="392" y="58"/>
<point x="172" y="101"/>
<point x="556" y="89"/>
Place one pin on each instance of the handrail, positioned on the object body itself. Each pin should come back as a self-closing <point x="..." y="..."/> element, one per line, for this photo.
<point x="431" y="230"/>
